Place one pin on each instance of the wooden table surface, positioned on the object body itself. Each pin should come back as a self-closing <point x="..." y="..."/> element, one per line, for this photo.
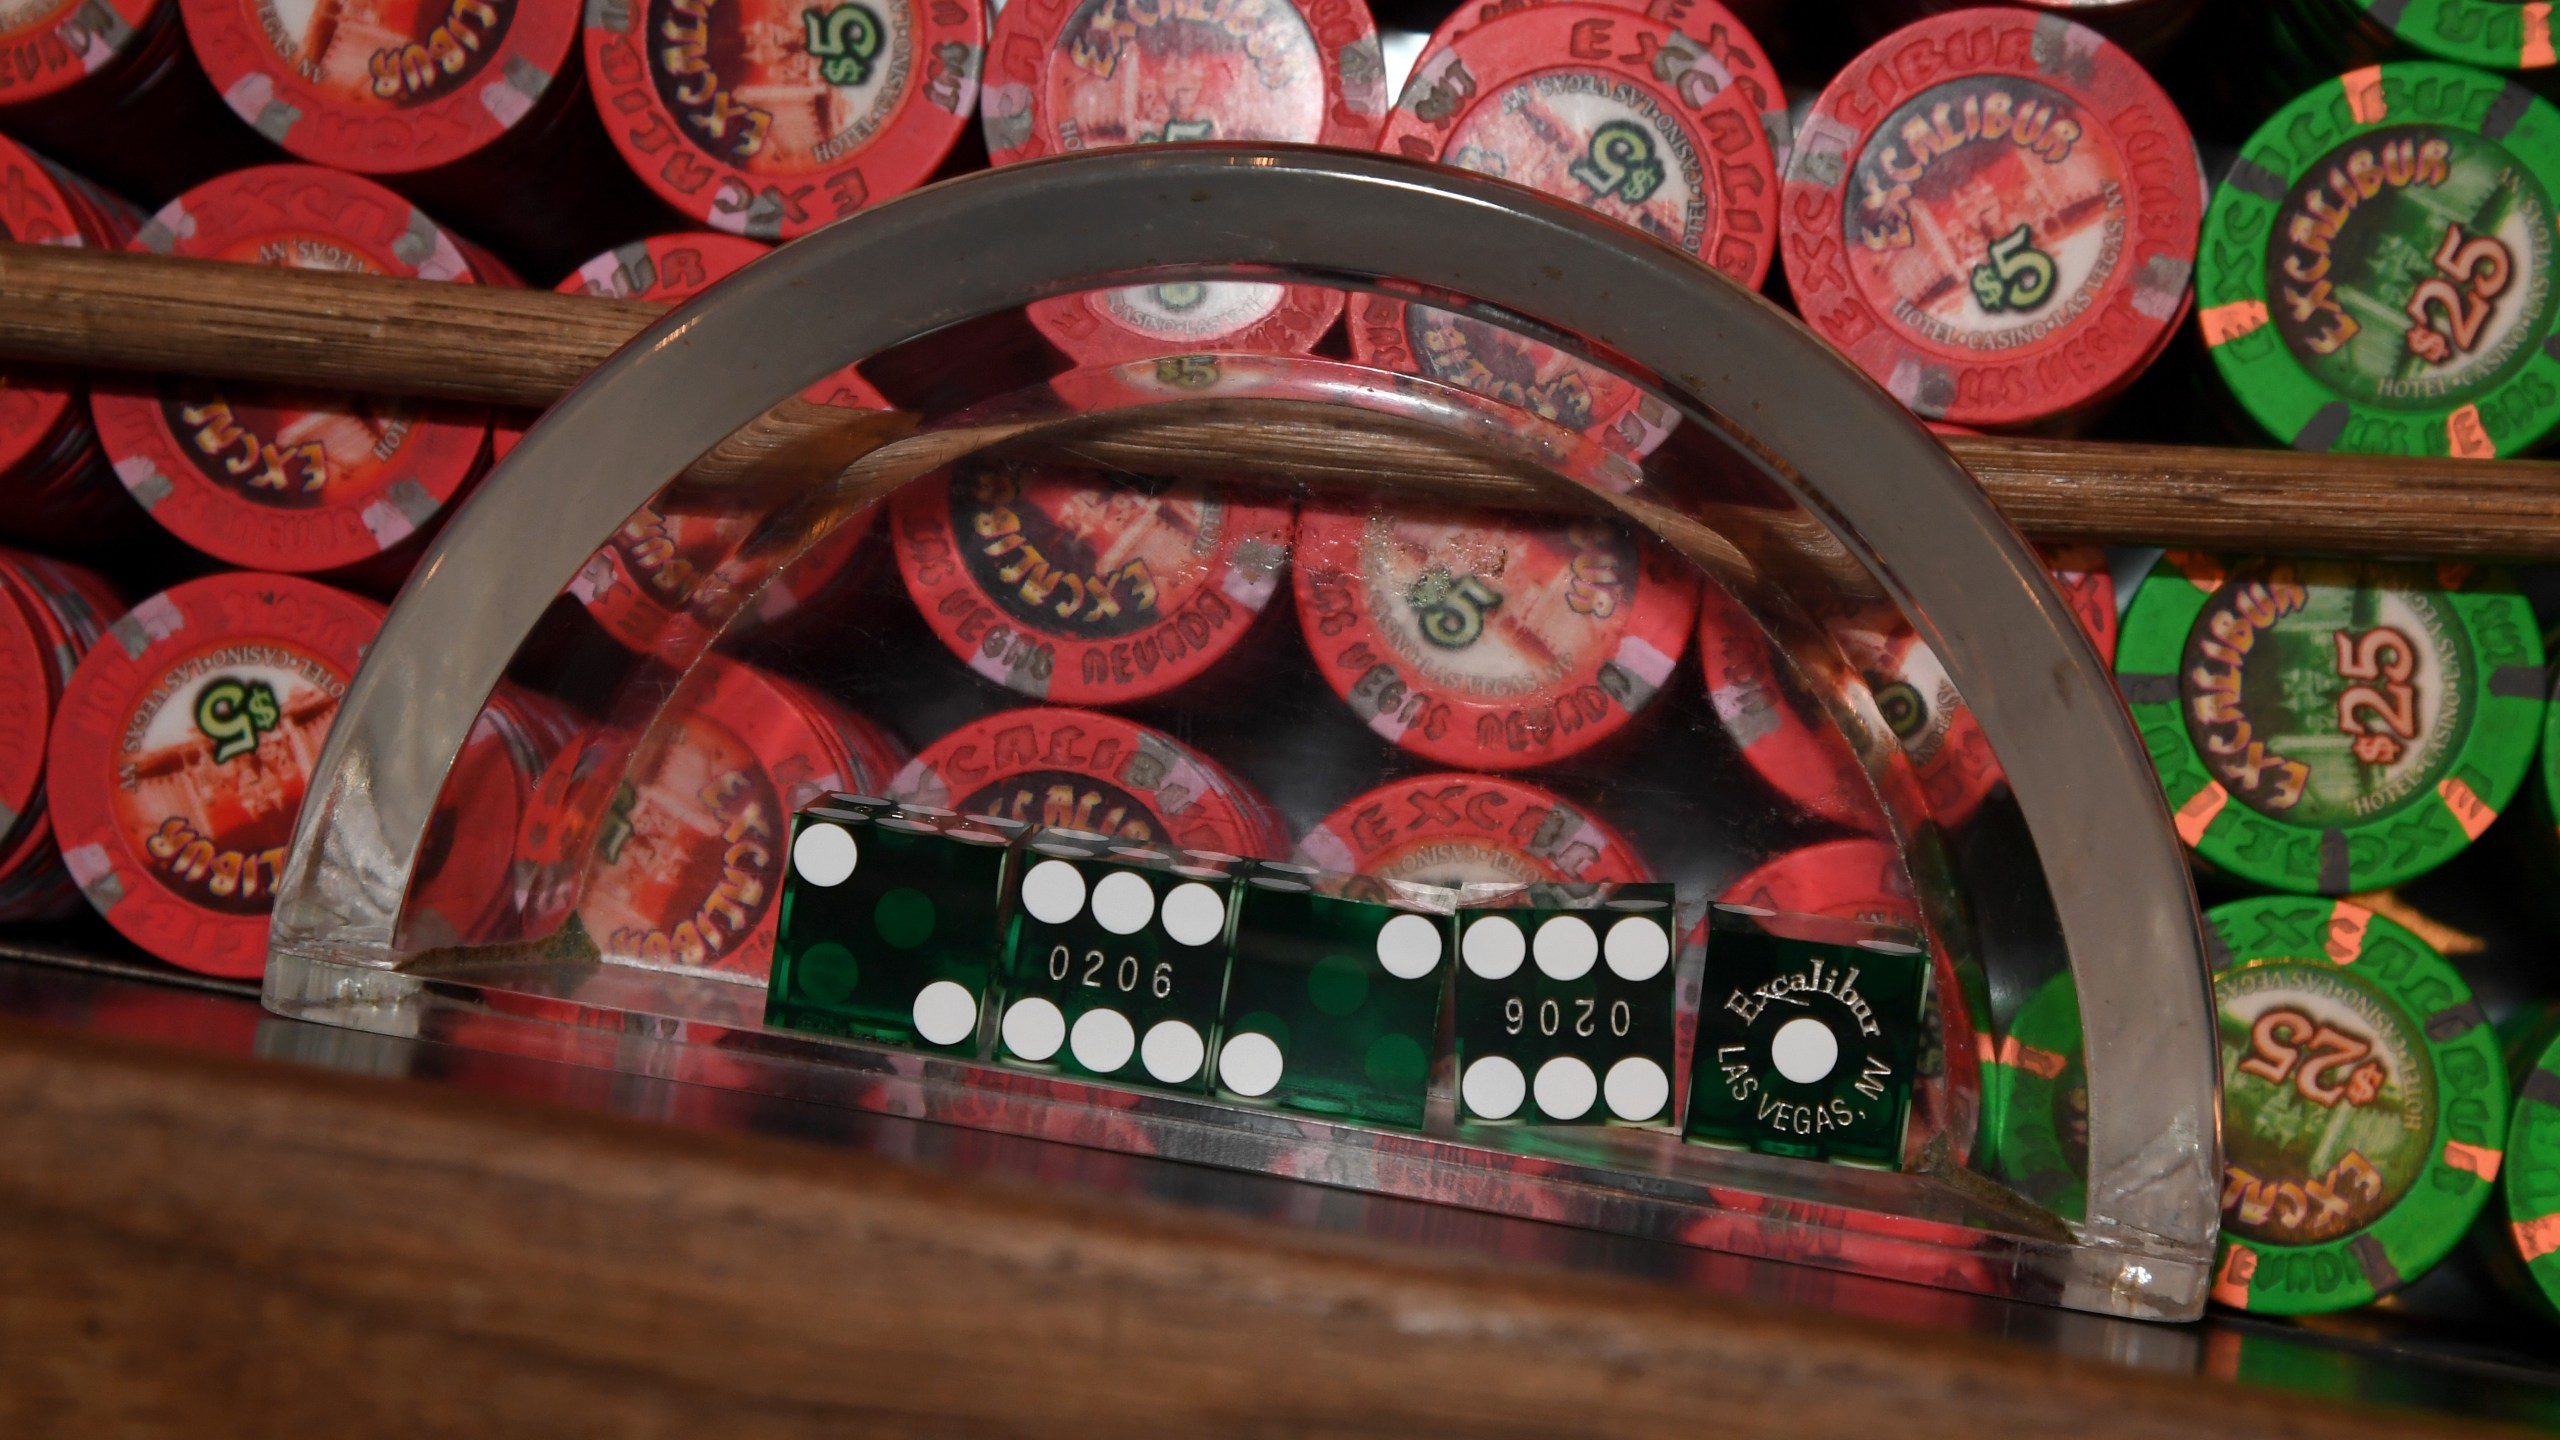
<point x="197" y="1241"/>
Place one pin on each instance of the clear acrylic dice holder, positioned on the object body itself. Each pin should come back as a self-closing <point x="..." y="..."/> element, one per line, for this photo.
<point x="1757" y="456"/>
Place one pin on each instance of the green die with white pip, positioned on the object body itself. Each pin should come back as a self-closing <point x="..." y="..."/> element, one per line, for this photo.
<point x="1334" y="993"/>
<point x="1566" y="1004"/>
<point x="889" y="928"/>
<point x="1808" y="1037"/>
<point x="1117" y="960"/>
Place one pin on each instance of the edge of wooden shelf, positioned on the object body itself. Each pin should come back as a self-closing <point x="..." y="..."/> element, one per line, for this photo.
<point x="384" y="335"/>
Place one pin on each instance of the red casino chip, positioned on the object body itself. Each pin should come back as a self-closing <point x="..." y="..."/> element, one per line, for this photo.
<point x="1782" y="733"/>
<point x="770" y="118"/>
<point x="1611" y="110"/>
<point x="42" y="431"/>
<point x="292" y="481"/>
<point x="1714" y="28"/>
<point x="688" y="854"/>
<point x="1863" y="880"/>
<point x="679" y="266"/>
<point x="1082" y="587"/>
<point x="1089" y="74"/>
<point x="30" y="686"/>
<point x="178" y="765"/>
<point x="33" y="211"/>
<point x="71" y="608"/>
<point x="804" y="582"/>
<point x="1455" y="830"/>
<point x="2080" y="572"/>
<point x="55" y="485"/>
<point x="665" y="268"/>
<point x="1994" y="213"/>
<point x="644" y="579"/>
<point x="1083" y="770"/>
<point x="52" y="45"/>
<point x="464" y="890"/>
<point x="1489" y="641"/>
<point x="389" y="89"/>
<point x="870" y="755"/>
<point x="66" y="610"/>
<point x="642" y="586"/>
<point x="1935" y="728"/>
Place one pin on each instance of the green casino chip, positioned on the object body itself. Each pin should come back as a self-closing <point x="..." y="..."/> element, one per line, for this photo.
<point x="2331" y="727"/>
<point x="2492" y="34"/>
<point x="2526" y="1254"/>
<point x="2035" y="1101"/>
<point x="2363" y="1101"/>
<point x="2377" y="269"/>
<point x="2549" y="761"/>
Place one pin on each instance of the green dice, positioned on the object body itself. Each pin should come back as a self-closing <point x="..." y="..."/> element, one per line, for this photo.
<point x="1808" y="1035"/>
<point x="1116" y="960"/>
<point x="1334" y="997"/>
<point x="889" y="929"/>
<point x="1566" y="1000"/>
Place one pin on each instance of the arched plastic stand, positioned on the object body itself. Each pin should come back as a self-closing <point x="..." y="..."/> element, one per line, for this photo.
<point x="1823" y="434"/>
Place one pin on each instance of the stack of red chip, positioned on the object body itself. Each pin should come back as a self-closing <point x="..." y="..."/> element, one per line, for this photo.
<point x="315" y="484"/>
<point x="1083" y="770"/>
<point x="1661" y="126"/>
<point x="177" y="765"/>
<point x="50" y="614"/>
<point x="1064" y="76"/>
<point x="683" y="839"/>
<point x="54" y="488"/>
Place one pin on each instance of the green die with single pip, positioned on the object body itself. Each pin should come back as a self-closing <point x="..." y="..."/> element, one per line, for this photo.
<point x="889" y="929"/>
<point x="1334" y="993"/>
<point x="1117" y="960"/>
<point x="1566" y="1003"/>
<point x="1808" y="1036"/>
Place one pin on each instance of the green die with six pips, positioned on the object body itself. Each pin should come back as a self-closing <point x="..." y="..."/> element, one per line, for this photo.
<point x="1808" y="1036"/>
<point x="1334" y="997"/>
<point x="1566" y="1001"/>
<point x="889" y="926"/>
<point x="1116" y="960"/>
